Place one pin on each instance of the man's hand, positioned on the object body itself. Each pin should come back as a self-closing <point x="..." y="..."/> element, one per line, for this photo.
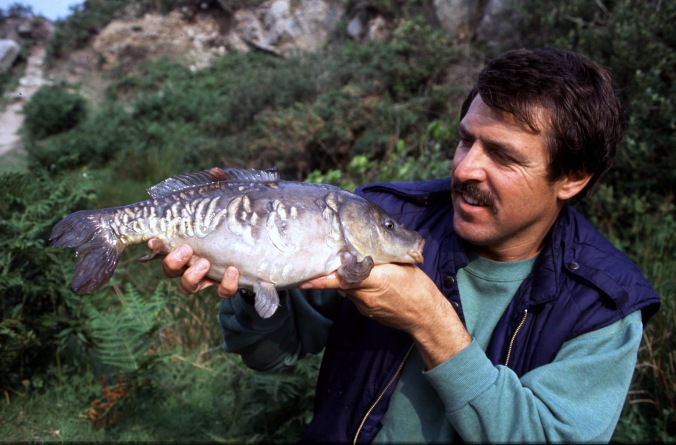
<point x="178" y="263"/>
<point x="404" y="297"/>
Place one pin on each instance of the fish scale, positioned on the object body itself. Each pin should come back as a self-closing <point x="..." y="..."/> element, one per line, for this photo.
<point x="277" y="233"/>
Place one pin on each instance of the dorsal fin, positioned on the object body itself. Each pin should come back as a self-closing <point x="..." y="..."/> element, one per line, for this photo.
<point x="204" y="177"/>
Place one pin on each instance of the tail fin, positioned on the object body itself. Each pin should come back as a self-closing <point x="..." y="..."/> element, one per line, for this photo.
<point x="97" y="249"/>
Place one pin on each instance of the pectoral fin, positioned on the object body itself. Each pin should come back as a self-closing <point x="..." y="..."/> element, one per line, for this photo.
<point x="267" y="299"/>
<point x="353" y="271"/>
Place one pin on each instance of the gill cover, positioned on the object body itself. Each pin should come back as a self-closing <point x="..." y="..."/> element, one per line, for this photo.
<point x="369" y="231"/>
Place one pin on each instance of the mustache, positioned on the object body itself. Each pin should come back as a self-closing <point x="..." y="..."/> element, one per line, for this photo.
<point x="473" y="190"/>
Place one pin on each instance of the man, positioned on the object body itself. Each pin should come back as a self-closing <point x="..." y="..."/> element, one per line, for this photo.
<point x="523" y="323"/>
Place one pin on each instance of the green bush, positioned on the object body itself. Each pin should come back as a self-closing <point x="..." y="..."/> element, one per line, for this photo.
<point x="37" y="305"/>
<point x="635" y="205"/>
<point x="52" y="110"/>
<point x="637" y="42"/>
<point x="313" y="111"/>
<point x="98" y="139"/>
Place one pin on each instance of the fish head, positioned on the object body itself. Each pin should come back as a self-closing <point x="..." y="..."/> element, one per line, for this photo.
<point x="371" y="231"/>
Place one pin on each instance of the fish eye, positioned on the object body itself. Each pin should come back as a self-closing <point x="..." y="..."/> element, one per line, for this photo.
<point x="389" y="225"/>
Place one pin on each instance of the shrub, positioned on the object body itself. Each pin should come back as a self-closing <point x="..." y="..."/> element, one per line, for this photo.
<point x="52" y="110"/>
<point x="37" y="317"/>
<point x="98" y="139"/>
<point x="636" y="41"/>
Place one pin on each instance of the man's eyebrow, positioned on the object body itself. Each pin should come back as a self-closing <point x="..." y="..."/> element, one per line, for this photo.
<point x="506" y="148"/>
<point x="506" y="145"/>
<point x="460" y="128"/>
<point x="503" y="146"/>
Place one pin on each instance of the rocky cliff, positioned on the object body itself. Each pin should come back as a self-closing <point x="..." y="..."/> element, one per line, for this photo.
<point x="280" y="27"/>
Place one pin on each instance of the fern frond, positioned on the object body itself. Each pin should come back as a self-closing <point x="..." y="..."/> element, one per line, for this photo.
<point x="123" y="338"/>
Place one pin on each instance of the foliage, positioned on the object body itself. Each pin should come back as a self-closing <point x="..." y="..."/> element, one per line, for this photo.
<point x="352" y="100"/>
<point x="105" y="412"/>
<point x="123" y="337"/>
<point x="637" y="42"/>
<point x="652" y="399"/>
<point x="84" y="21"/>
<point x="16" y="10"/>
<point x="36" y="303"/>
<point x="429" y="161"/>
<point x="94" y="142"/>
<point x="635" y="205"/>
<point x="52" y="110"/>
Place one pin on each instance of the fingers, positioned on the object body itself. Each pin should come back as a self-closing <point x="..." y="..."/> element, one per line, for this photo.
<point x="175" y="263"/>
<point x="194" y="279"/>
<point x="330" y="281"/>
<point x="229" y="284"/>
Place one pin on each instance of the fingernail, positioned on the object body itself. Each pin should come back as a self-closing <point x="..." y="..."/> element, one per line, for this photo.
<point x="201" y="265"/>
<point x="306" y="286"/>
<point x="230" y="273"/>
<point x="183" y="252"/>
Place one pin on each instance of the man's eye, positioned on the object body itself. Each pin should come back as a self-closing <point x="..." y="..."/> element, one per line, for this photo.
<point x="502" y="157"/>
<point x="465" y="141"/>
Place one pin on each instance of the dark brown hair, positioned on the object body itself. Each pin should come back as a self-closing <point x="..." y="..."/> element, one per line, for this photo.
<point x="586" y="118"/>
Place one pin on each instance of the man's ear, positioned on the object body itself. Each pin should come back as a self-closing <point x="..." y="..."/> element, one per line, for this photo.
<point x="572" y="184"/>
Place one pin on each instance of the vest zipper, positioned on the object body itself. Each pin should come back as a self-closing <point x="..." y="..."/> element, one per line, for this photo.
<point x="382" y="393"/>
<point x="511" y="342"/>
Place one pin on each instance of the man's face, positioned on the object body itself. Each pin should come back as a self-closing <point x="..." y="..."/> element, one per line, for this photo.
<point x="504" y="204"/>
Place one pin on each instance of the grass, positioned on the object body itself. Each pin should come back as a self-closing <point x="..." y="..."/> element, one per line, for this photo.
<point x="188" y="411"/>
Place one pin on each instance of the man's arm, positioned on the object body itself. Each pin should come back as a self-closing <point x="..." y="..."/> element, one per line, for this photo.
<point x="576" y="398"/>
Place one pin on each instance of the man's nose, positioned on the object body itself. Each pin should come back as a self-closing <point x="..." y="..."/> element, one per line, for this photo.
<point x="470" y="164"/>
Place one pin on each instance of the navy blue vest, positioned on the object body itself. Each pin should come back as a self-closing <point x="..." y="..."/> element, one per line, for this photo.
<point x="579" y="283"/>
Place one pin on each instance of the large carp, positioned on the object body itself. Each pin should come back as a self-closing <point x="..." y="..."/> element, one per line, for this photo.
<point x="277" y="233"/>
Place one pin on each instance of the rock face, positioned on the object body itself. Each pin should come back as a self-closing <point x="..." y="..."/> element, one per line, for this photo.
<point x="457" y="17"/>
<point x="9" y="51"/>
<point x="285" y="26"/>
<point x="128" y="42"/>
<point x="279" y="27"/>
<point x="496" y="26"/>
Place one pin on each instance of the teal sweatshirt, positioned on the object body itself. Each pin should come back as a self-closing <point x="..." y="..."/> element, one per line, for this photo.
<point x="576" y="398"/>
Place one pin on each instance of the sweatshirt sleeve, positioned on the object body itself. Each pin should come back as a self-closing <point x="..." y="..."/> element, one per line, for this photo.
<point x="298" y="327"/>
<point x="576" y="398"/>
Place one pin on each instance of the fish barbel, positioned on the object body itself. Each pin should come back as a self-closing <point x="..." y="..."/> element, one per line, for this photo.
<point x="277" y="233"/>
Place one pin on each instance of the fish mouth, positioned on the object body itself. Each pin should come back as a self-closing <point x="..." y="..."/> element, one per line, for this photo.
<point x="416" y="254"/>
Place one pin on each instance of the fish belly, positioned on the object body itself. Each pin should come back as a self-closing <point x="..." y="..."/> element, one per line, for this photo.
<point x="281" y="247"/>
